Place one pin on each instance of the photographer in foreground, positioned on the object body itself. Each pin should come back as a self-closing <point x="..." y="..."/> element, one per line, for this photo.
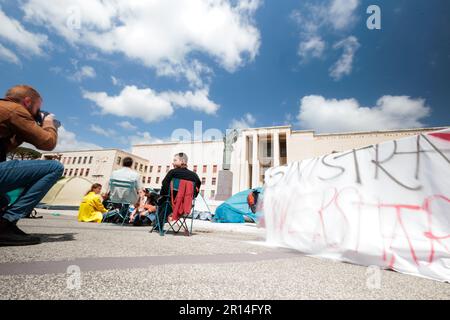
<point x="21" y="120"/>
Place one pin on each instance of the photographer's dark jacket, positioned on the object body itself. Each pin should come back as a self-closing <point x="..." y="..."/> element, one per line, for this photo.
<point x="17" y="125"/>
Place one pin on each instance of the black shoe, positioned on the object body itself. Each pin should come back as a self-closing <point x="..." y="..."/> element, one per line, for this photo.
<point x="16" y="230"/>
<point x="11" y="235"/>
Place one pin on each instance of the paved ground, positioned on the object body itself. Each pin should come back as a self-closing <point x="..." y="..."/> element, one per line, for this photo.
<point x="218" y="262"/>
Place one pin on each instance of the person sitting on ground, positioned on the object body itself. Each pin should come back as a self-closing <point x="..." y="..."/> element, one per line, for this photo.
<point x="180" y="171"/>
<point x="252" y="200"/>
<point x="21" y="120"/>
<point x="145" y="215"/>
<point x="139" y="206"/>
<point x="151" y="206"/>
<point x="92" y="209"/>
<point x="129" y="175"/>
<point x="105" y="199"/>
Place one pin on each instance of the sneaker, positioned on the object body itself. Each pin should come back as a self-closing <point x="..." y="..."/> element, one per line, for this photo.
<point x="11" y="235"/>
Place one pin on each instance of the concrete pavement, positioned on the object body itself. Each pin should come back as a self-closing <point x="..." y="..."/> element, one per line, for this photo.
<point x="105" y="261"/>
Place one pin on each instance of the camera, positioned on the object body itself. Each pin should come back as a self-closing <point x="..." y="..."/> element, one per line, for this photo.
<point x="41" y="116"/>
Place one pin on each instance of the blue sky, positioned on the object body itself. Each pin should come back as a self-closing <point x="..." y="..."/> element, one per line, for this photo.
<point x="122" y="72"/>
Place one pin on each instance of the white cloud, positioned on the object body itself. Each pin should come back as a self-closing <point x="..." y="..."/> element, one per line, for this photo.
<point x="103" y="132"/>
<point x="143" y="138"/>
<point x="156" y="33"/>
<point x="67" y="141"/>
<point x="313" y="47"/>
<point x="129" y="140"/>
<point x="288" y="119"/>
<point x="249" y="6"/>
<point x="8" y="55"/>
<point x="148" y="105"/>
<point x="115" y="81"/>
<point x="56" y="70"/>
<point x="332" y="115"/>
<point x="195" y="72"/>
<point x="330" y="15"/>
<point x="132" y="102"/>
<point x="342" y="13"/>
<point x="316" y="20"/>
<point x="344" y="65"/>
<point x="126" y="125"/>
<point x="197" y="100"/>
<point x="76" y="74"/>
<point x="14" y="32"/>
<point x="85" y="72"/>
<point x="247" y="121"/>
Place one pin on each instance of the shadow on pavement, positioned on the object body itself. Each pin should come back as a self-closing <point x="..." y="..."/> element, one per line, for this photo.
<point x="55" y="237"/>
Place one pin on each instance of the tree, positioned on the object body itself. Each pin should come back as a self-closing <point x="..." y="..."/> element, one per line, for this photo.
<point x="22" y="153"/>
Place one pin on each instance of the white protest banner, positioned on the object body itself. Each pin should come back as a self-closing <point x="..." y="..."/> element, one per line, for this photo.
<point x="386" y="205"/>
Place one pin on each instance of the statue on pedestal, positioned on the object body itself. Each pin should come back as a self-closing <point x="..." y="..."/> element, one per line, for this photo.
<point x="225" y="180"/>
<point x="228" y="140"/>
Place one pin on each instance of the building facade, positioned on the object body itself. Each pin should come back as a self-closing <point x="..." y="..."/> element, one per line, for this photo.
<point x="96" y="165"/>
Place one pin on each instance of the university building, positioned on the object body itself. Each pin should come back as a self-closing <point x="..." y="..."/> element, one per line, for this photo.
<point x="224" y="167"/>
<point x="96" y="165"/>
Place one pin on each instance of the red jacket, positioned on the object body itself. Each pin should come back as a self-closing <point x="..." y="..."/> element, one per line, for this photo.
<point x="182" y="204"/>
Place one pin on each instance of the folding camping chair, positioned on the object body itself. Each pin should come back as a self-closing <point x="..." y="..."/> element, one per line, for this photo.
<point x="123" y="193"/>
<point x="181" y="223"/>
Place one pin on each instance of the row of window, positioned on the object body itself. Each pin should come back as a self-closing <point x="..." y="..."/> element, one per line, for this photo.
<point x="137" y="165"/>
<point x="76" y="160"/>
<point x="144" y="168"/>
<point x="76" y="172"/>
<point x="205" y="169"/>
<point x="85" y="172"/>
<point x="149" y="180"/>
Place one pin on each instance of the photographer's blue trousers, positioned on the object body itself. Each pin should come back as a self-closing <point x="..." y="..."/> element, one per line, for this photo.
<point x="36" y="176"/>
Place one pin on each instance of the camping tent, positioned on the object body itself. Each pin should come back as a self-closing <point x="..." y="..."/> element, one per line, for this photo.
<point x="384" y="205"/>
<point x="67" y="192"/>
<point x="236" y="209"/>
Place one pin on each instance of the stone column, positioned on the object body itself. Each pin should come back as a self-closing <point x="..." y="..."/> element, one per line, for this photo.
<point x="255" y="162"/>
<point x="276" y="149"/>
<point x="243" y="165"/>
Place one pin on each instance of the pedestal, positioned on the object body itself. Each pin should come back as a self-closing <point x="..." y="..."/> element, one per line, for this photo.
<point x="224" y="185"/>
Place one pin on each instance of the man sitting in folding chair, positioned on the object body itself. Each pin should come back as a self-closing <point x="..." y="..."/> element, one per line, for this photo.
<point x="179" y="189"/>
<point x="124" y="186"/>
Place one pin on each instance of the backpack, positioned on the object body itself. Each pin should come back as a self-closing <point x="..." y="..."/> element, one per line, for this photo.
<point x="252" y="200"/>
